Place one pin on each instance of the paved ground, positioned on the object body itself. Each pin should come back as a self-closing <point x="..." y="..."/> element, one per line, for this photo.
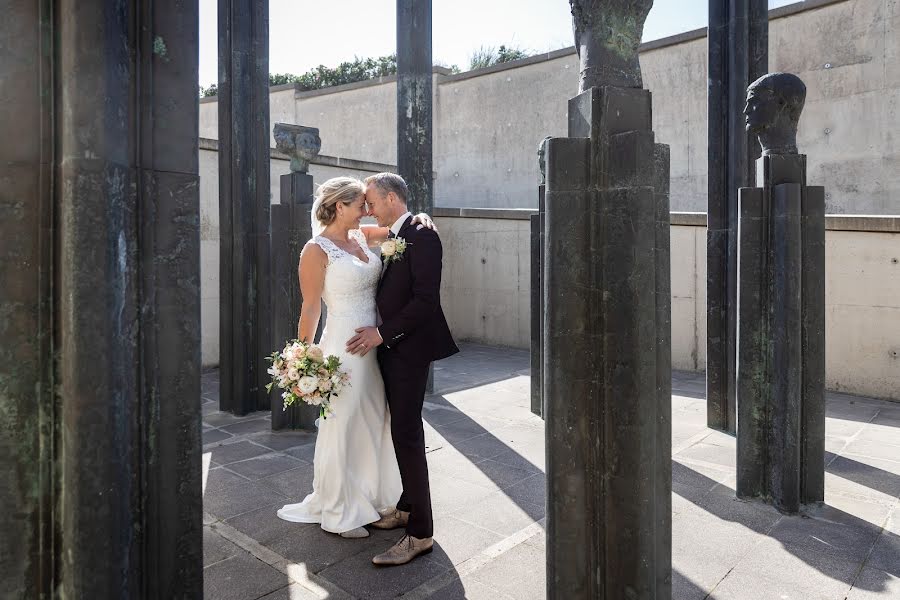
<point x="486" y="457"/>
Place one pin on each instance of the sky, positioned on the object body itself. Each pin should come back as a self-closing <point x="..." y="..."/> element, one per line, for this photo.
<point x="306" y="33"/>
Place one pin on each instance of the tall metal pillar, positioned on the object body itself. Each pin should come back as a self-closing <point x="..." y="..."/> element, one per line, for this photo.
<point x="606" y="361"/>
<point x="244" y="201"/>
<point x="414" y="102"/>
<point x="414" y="108"/>
<point x="99" y="240"/>
<point x="738" y="54"/>
<point x="29" y="484"/>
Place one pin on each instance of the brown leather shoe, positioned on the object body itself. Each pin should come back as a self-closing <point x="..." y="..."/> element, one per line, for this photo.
<point x="404" y="551"/>
<point x="391" y="519"/>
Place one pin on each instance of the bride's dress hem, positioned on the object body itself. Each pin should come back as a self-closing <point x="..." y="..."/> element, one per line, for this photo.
<point x="318" y="521"/>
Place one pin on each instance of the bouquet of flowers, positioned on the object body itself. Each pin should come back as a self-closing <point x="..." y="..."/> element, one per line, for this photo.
<point x="306" y="374"/>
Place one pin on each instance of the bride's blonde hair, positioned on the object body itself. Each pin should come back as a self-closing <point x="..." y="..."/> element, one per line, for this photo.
<point x="337" y="189"/>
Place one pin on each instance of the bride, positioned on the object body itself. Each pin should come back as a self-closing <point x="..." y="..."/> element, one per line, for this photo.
<point x="355" y="468"/>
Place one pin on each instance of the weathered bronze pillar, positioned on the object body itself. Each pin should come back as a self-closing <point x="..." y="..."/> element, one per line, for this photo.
<point x="244" y="199"/>
<point x="29" y="427"/>
<point x="414" y="108"/>
<point x="100" y="365"/>
<point x="738" y="54"/>
<point x="414" y="102"/>
<point x="606" y="362"/>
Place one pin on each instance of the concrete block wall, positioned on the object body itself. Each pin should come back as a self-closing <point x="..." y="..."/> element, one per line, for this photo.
<point x="487" y="276"/>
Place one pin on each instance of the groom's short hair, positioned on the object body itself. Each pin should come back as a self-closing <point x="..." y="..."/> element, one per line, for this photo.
<point x="390" y="182"/>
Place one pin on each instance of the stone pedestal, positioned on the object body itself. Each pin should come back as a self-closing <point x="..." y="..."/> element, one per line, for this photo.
<point x="100" y="301"/>
<point x="606" y="366"/>
<point x="781" y="340"/>
<point x="738" y="54"/>
<point x="291" y="229"/>
<point x="245" y="336"/>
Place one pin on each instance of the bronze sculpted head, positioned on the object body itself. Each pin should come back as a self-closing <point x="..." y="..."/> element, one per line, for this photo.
<point x="607" y="36"/>
<point x="774" y="104"/>
<point x="301" y="143"/>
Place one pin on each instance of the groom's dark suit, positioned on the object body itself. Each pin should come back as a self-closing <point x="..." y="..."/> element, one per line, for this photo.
<point x="415" y="333"/>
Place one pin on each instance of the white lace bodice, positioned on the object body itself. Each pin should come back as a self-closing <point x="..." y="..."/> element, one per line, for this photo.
<point x="350" y="283"/>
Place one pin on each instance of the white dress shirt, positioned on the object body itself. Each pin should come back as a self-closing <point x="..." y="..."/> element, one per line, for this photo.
<point x="395" y="228"/>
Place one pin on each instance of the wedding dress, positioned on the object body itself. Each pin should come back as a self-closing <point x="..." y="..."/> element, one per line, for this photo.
<point x="355" y="468"/>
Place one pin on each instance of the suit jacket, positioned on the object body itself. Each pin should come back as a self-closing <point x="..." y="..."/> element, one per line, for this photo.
<point x="409" y="300"/>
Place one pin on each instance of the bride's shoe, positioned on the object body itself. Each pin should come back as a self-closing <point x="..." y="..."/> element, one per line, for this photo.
<point x="359" y="532"/>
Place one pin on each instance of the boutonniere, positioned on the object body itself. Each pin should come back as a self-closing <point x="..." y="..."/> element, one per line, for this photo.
<point x="392" y="250"/>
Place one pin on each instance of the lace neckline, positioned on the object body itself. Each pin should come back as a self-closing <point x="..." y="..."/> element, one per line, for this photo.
<point x="355" y="236"/>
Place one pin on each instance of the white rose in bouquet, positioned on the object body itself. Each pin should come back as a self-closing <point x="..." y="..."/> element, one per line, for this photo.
<point x="324" y="385"/>
<point x="293" y="374"/>
<point x="315" y="354"/>
<point x="308" y="384"/>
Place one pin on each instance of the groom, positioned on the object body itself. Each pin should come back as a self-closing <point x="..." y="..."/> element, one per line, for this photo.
<point x="412" y="333"/>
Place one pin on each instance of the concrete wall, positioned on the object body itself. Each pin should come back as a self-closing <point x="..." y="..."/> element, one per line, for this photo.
<point x="360" y="123"/>
<point x="485" y="291"/>
<point x="485" y="284"/>
<point x="488" y="123"/>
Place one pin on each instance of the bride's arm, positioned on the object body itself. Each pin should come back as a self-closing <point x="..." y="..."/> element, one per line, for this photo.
<point x="375" y="234"/>
<point x="311" y="272"/>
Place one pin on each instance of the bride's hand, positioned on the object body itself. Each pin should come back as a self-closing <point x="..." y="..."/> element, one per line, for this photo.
<point x="425" y="221"/>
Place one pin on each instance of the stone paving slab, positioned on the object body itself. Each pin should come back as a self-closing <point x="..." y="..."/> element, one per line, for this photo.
<point x="265" y="465"/>
<point x="216" y="548"/>
<point x="292" y="592"/>
<point x="240" y="577"/>
<point x="486" y="460"/>
<point x="514" y="574"/>
<point x="358" y="576"/>
<point x="240" y="450"/>
<point x="470" y="588"/>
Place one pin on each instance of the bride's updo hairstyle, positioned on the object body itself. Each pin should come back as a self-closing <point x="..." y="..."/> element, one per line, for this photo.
<point x="345" y="190"/>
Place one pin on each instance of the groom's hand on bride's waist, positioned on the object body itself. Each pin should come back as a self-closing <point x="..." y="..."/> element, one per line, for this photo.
<point x="366" y="338"/>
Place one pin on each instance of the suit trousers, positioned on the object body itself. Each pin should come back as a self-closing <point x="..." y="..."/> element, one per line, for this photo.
<point x="404" y="385"/>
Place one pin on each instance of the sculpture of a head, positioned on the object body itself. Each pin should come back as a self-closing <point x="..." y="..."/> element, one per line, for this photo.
<point x="301" y="143"/>
<point x="772" y="112"/>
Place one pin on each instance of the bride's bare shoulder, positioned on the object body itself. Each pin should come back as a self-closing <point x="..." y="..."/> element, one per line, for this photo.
<point x="313" y="253"/>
